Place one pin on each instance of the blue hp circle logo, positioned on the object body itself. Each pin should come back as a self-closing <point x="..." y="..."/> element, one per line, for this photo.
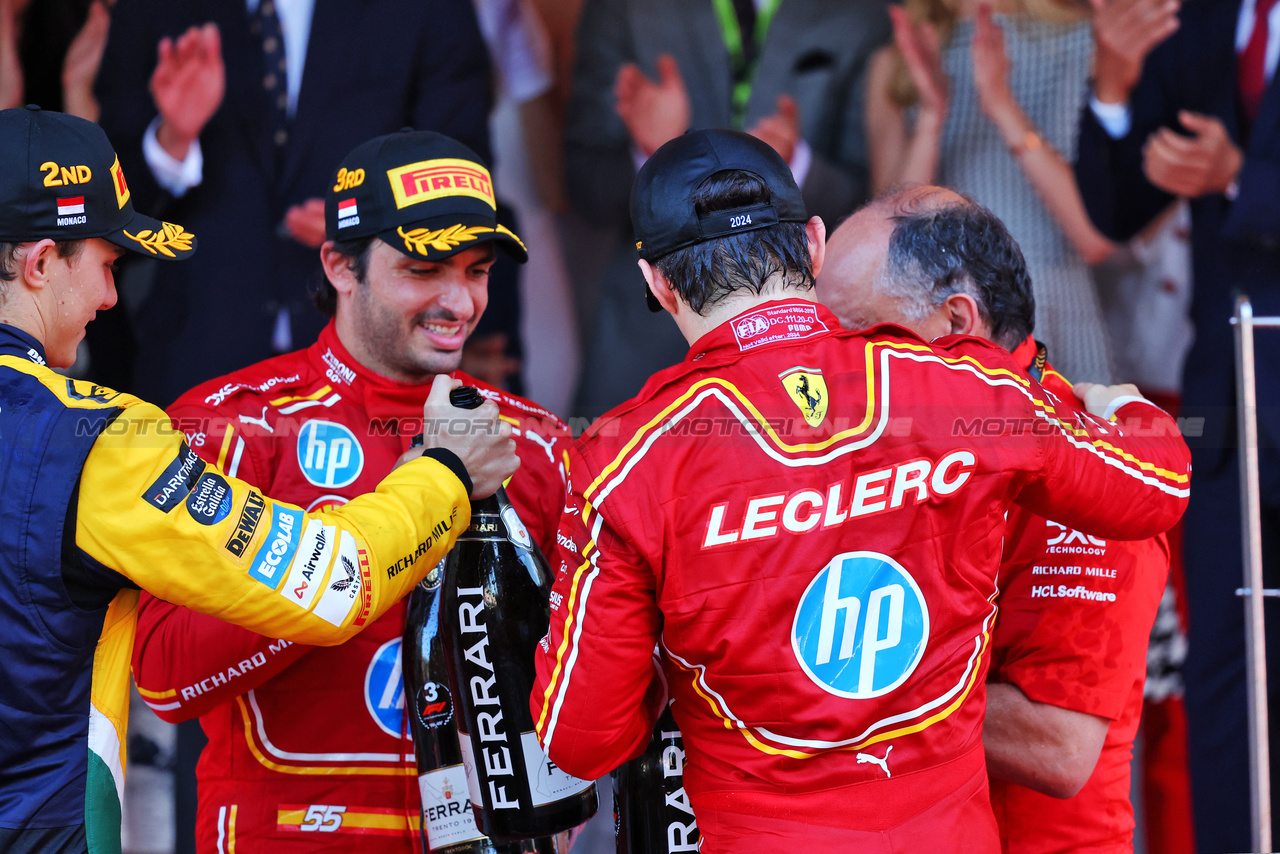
<point x="384" y="688"/>
<point x="329" y="454"/>
<point x="861" y="627"/>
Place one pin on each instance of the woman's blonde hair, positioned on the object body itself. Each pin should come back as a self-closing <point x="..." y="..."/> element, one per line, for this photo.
<point x="943" y="14"/>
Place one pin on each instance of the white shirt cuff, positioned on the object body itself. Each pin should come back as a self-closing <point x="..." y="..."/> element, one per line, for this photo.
<point x="1114" y="406"/>
<point x="638" y="157"/>
<point x="1114" y="118"/>
<point x="801" y="160"/>
<point x="176" y="176"/>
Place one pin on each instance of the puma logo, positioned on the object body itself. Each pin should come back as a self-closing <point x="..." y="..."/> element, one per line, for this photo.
<point x="863" y="758"/>
<point x="260" y="421"/>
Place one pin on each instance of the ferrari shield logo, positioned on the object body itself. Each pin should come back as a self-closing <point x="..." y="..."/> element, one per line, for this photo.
<point x="809" y="392"/>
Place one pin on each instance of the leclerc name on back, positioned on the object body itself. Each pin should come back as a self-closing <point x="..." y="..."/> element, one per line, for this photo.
<point x="804" y="510"/>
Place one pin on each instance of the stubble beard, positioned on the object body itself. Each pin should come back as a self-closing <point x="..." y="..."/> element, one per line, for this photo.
<point x="389" y="340"/>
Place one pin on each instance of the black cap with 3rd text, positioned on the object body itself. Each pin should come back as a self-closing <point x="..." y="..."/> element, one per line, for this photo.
<point x="61" y="179"/>
<point x="422" y="192"/>
<point x="662" y="210"/>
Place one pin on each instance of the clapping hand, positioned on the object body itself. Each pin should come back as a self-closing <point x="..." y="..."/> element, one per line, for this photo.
<point x="991" y="66"/>
<point x="187" y="86"/>
<point x="305" y="223"/>
<point x="1206" y="162"/>
<point x="1124" y="32"/>
<point x="654" y="113"/>
<point x="80" y="68"/>
<point x="921" y="50"/>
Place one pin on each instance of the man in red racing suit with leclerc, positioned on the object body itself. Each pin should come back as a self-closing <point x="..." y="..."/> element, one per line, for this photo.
<point x="1064" y="693"/>
<point x="793" y="517"/>
<point x="309" y="747"/>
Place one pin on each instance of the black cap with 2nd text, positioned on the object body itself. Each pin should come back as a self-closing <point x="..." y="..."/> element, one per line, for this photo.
<point x="662" y="209"/>
<point x="60" y="179"/>
<point x="422" y="192"/>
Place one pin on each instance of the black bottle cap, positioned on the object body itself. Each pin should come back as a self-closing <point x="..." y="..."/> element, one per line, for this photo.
<point x="466" y="397"/>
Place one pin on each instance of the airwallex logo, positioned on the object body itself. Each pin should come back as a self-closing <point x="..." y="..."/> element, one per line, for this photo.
<point x="861" y="627"/>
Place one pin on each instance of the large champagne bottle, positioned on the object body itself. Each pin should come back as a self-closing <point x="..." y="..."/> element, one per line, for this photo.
<point x="652" y="814"/>
<point x="493" y="612"/>
<point x="448" y="822"/>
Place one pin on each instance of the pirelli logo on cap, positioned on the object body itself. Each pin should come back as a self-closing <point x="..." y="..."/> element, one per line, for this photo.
<point x="435" y="179"/>
<point x="118" y="183"/>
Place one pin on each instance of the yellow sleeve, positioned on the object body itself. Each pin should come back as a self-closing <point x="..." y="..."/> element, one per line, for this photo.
<point x="179" y="528"/>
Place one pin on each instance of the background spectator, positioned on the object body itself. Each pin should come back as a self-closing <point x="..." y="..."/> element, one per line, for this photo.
<point x="789" y="72"/>
<point x="50" y="52"/>
<point x="1199" y="118"/>
<point x="526" y="129"/>
<point x="1145" y="288"/>
<point x="991" y="109"/>
<point x="237" y="128"/>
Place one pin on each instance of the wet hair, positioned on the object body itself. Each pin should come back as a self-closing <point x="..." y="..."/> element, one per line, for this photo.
<point x="959" y="247"/>
<point x="705" y="273"/>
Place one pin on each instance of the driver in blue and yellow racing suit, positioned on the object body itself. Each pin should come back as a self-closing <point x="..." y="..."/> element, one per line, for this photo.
<point x="103" y="498"/>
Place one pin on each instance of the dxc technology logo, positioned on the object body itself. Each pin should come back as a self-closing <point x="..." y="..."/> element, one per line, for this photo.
<point x="384" y="688"/>
<point x="329" y="454"/>
<point x="861" y="627"/>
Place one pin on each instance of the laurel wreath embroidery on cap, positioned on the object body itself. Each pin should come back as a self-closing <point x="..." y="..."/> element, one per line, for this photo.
<point x="445" y="239"/>
<point x="502" y="229"/>
<point x="163" y="242"/>
<point x="442" y="239"/>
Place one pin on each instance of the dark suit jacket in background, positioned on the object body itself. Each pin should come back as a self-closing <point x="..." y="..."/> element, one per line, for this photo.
<point x="816" y="52"/>
<point x="1235" y="247"/>
<point x="372" y="67"/>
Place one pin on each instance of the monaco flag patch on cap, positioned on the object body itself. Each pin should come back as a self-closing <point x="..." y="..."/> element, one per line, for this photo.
<point x="71" y="211"/>
<point x="348" y="213"/>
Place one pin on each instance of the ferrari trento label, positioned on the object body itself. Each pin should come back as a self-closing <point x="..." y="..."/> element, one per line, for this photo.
<point x="547" y="783"/>
<point x="446" y="807"/>
<point x="861" y="627"/>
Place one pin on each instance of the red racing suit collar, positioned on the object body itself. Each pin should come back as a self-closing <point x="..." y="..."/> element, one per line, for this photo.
<point x="770" y="324"/>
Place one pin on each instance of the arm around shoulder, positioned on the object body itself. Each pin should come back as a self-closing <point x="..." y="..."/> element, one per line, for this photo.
<point x="1047" y="748"/>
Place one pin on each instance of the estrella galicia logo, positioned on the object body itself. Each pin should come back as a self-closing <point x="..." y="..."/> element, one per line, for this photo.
<point x="277" y="549"/>
<point x="329" y="454"/>
<point x="210" y="499"/>
<point x="384" y="688"/>
<point x="861" y="626"/>
<point x="176" y="481"/>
